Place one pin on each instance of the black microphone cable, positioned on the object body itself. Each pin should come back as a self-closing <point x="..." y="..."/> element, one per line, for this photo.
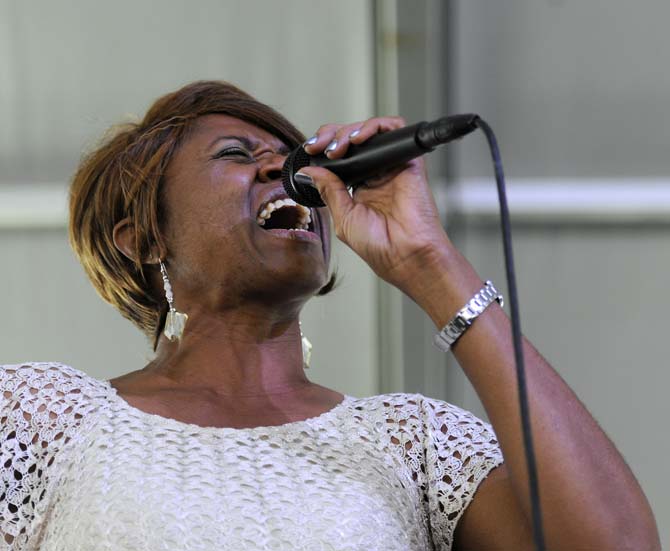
<point x="506" y="228"/>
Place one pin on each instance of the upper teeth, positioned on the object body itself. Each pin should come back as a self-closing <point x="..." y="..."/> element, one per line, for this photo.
<point x="305" y="213"/>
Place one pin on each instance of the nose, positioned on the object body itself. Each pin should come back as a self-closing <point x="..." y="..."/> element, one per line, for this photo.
<point x="270" y="167"/>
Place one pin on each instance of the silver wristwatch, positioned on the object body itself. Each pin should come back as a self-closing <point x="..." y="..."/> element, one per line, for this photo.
<point x="445" y="339"/>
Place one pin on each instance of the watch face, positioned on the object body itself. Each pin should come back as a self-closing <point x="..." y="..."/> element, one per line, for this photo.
<point x="462" y="322"/>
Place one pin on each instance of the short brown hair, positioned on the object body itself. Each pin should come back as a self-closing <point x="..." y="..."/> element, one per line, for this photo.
<point x="123" y="178"/>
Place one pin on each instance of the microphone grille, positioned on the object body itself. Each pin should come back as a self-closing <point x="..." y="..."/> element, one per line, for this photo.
<point x="300" y="193"/>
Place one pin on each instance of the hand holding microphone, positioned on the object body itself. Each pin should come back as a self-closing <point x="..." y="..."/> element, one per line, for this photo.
<point x="362" y="161"/>
<point x="392" y="222"/>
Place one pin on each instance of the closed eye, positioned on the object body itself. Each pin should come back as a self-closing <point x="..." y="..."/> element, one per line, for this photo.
<point x="233" y="152"/>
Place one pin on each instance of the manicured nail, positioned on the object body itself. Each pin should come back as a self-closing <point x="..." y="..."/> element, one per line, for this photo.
<point x="304" y="179"/>
<point x="331" y="146"/>
<point x="355" y="133"/>
<point x="312" y="140"/>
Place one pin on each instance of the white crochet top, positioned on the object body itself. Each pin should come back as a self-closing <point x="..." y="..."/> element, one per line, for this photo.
<point x="82" y="469"/>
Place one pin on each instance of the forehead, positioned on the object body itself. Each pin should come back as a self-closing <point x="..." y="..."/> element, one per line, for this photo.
<point x="210" y="127"/>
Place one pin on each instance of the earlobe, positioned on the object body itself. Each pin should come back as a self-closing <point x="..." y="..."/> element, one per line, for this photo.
<point x="123" y="236"/>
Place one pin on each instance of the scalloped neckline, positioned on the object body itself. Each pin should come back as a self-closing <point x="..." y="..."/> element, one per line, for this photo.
<point x="170" y="422"/>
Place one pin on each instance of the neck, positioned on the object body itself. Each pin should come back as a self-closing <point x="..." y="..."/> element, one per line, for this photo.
<point x="252" y="352"/>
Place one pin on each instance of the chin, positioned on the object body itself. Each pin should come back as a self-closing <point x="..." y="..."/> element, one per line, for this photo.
<point x="299" y="281"/>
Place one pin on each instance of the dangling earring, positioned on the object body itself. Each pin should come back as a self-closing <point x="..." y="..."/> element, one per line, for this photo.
<point x="306" y="349"/>
<point x="175" y="321"/>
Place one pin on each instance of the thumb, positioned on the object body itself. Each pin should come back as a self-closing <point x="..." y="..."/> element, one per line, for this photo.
<point x="332" y="190"/>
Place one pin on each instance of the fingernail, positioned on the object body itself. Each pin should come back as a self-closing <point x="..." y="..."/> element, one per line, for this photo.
<point x="312" y="140"/>
<point x="331" y="146"/>
<point x="355" y="133"/>
<point x="304" y="179"/>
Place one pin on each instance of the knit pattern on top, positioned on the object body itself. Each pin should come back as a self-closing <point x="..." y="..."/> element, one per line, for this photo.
<point x="82" y="469"/>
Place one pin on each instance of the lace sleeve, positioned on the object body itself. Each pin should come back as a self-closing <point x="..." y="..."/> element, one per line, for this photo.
<point x="461" y="450"/>
<point x="36" y="417"/>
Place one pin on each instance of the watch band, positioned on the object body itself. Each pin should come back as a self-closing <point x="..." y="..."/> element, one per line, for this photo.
<point x="451" y="332"/>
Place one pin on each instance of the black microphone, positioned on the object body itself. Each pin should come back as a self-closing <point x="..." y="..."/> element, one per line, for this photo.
<point x="375" y="156"/>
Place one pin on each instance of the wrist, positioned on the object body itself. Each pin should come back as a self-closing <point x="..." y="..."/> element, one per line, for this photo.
<point x="441" y="281"/>
<point x="458" y="325"/>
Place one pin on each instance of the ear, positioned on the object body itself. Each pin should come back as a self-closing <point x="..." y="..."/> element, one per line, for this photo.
<point x="123" y="236"/>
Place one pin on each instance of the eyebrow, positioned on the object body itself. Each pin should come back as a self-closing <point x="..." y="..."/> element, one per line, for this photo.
<point x="246" y="142"/>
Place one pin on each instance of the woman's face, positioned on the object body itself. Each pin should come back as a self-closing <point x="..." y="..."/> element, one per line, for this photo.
<point x="217" y="185"/>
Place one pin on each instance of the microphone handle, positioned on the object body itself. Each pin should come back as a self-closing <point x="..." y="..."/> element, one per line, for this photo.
<point x="396" y="147"/>
<point x="363" y="161"/>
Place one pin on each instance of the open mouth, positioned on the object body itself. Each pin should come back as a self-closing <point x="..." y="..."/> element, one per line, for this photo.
<point x="285" y="214"/>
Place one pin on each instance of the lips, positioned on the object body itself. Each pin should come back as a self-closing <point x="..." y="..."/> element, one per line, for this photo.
<point x="284" y="213"/>
<point x="273" y="194"/>
<point x="316" y="228"/>
<point x="296" y="235"/>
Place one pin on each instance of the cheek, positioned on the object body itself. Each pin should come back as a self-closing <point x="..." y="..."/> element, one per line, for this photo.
<point x="206" y="224"/>
<point x="204" y="239"/>
<point x="207" y="207"/>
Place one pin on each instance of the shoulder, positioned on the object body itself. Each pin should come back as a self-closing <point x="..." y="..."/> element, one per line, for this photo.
<point x="421" y="411"/>
<point x="45" y="394"/>
<point x="45" y="378"/>
<point x="42" y="406"/>
<point x="434" y="427"/>
<point x="397" y="403"/>
<point x="448" y="450"/>
<point x="447" y="421"/>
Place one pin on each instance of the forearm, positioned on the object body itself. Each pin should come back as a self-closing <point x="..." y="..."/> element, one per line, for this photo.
<point x="588" y="494"/>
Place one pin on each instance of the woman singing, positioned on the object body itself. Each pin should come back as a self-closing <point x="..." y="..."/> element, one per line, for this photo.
<point x="221" y="442"/>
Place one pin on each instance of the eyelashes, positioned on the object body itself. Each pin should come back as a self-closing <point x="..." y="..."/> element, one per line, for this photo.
<point x="240" y="154"/>
<point x="234" y="152"/>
